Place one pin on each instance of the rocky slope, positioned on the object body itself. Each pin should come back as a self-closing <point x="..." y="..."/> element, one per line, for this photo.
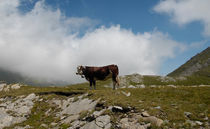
<point x="198" y="65"/>
<point x="74" y="107"/>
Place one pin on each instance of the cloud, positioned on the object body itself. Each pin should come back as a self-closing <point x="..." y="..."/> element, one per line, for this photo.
<point x="186" y="11"/>
<point x="44" y="44"/>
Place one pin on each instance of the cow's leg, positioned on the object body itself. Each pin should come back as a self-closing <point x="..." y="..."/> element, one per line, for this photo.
<point x="114" y="82"/>
<point x="94" y="84"/>
<point x="91" y="84"/>
<point x="118" y="81"/>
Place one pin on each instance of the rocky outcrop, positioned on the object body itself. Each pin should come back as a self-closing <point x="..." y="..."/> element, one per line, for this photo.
<point x="12" y="112"/>
<point x="6" y="88"/>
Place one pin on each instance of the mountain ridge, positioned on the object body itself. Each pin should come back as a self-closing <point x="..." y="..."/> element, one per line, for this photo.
<point x="198" y="65"/>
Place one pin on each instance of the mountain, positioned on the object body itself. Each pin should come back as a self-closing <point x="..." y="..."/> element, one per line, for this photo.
<point x="13" y="77"/>
<point x="10" y="77"/>
<point x="197" y="66"/>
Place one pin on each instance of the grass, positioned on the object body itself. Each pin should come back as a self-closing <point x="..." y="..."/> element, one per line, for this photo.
<point x="173" y="102"/>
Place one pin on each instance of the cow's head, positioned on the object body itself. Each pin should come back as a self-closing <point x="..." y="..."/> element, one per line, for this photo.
<point x="80" y="71"/>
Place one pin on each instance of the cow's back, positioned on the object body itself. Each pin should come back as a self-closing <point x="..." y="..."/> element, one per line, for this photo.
<point x="101" y="73"/>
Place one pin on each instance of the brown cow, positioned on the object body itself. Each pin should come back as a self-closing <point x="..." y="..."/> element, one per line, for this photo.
<point x="99" y="73"/>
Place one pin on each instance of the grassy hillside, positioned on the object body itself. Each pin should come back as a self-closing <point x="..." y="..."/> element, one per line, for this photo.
<point x="167" y="103"/>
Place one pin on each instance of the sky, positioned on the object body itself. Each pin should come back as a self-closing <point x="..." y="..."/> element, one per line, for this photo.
<point x="48" y="39"/>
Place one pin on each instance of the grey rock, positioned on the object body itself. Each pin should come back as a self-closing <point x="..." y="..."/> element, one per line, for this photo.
<point x="131" y="86"/>
<point x="78" y="106"/>
<point x="192" y="123"/>
<point x="126" y="94"/>
<point x="77" y="124"/>
<point x="172" y="86"/>
<point x="15" y="86"/>
<point x="117" y="108"/>
<point x="145" y="114"/>
<point x="69" y="119"/>
<point x="102" y="121"/>
<point x="6" y="88"/>
<point x="91" y="125"/>
<point x="44" y="125"/>
<point x="198" y="123"/>
<point x="53" y="124"/>
<point x="2" y="85"/>
<point x="136" y="78"/>
<point x="20" y="109"/>
<point x="158" y="107"/>
<point x="153" y="120"/>
<point x="26" y="127"/>
<point x="140" y="86"/>
<point x="127" y="123"/>
<point x="98" y="113"/>
<point x="153" y="86"/>
<point x="187" y="114"/>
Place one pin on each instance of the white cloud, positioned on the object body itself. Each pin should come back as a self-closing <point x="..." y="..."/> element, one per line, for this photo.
<point x="43" y="44"/>
<point x="186" y="11"/>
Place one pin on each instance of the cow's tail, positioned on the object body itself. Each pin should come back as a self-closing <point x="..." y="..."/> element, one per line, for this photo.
<point x="118" y="80"/>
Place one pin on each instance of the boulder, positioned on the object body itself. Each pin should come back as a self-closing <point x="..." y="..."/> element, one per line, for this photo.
<point x="154" y="120"/>
<point x="145" y="114"/>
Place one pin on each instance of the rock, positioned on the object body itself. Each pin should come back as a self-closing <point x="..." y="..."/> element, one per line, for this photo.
<point x="154" y="120"/>
<point x="19" y="110"/>
<point x="98" y="113"/>
<point x="187" y="114"/>
<point x="123" y="81"/>
<point x="145" y="114"/>
<point x="127" y="123"/>
<point x="206" y="118"/>
<point x="131" y="86"/>
<point x="191" y="122"/>
<point x="90" y="125"/>
<point x="26" y="127"/>
<point x="30" y="97"/>
<point x="117" y="109"/>
<point x="78" y="106"/>
<point x="136" y="78"/>
<point x="15" y="86"/>
<point x="167" y="79"/>
<point x="2" y="85"/>
<point x="172" y="86"/>
<point x="6" y="88"/>
<point x="44" y="125"/>
<point x="198" y="123"/>
<point x="69" y="119"/>
<point x="124" y="120"/>
<point x="126" y="94"/>
<point x="158" y="107"/>
<point x="153" y="86"/>
<point x="77" y="124"/>
<point x="102" y="121"/>
<point x="53" y="124"/>
<point x="140" y="86"/>
<point x="57" y="102"/>
<point x="81" y="96"/>
<point x="147" y="125"/>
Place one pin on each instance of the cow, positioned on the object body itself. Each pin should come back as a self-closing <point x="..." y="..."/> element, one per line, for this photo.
<point x="99" y="73"/>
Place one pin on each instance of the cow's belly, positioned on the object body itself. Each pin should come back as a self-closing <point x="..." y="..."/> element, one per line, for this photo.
<point x="103" y="77"/>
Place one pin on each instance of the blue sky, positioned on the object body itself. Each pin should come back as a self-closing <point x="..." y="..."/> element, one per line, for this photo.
<point x="137" y="16"/>
<point x="160" y="35"/>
